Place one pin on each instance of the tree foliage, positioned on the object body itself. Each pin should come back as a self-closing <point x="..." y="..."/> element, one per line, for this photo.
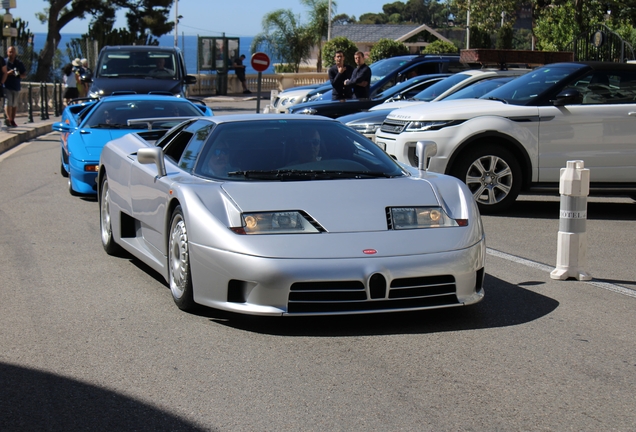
<point x="318" y="26"/>
<point x="440" y="47"/>
<point x="386" y="48"/>
<point x="285" y="38"/>
<point x="145" y="17"/>
<point x="338" y="44"/>
<point x="485" y="14"/>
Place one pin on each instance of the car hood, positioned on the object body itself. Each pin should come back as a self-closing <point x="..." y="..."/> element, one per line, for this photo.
<point x="397" y="104"/>
<point x="87" y="144"/>
<point x="354" y="205"/>
<point x="461" y="109"/>
<point x="352" y="210"/>
<point x="137" y="85"/>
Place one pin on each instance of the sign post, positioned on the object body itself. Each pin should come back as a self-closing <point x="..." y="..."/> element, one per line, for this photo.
<point x="260" y="63"/>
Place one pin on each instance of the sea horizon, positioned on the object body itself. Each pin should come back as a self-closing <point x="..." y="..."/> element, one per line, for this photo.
<point x="187" y="44"/>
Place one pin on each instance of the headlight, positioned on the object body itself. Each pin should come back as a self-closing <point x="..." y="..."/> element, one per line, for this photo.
<point x="287" y="101"/>
<point x="309" y="111"/>
<point x="367" y="128"/>
<point x="421" y="217"/>
<point x="287" y="222"/>
<point x="418" y="126"/>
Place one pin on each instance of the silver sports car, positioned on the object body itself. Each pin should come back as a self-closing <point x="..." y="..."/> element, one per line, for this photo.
<point x="300" y="215"/>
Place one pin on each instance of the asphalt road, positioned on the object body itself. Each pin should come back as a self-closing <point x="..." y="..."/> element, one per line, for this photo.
<point x="93" y="342"/>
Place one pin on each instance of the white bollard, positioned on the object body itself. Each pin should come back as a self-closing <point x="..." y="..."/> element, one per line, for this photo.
<point x="574" y="187"/>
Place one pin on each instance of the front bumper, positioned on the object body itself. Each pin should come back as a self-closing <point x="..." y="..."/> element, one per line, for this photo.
<point x="267" y="286"/>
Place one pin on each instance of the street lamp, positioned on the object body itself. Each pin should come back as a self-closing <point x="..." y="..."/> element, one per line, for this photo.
<point x="176" y="22"/>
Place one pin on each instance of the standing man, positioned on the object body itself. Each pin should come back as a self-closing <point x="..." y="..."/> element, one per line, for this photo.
<point x="15" y="73"/>
<point x="360" y="77"/>
<point x="338" y="74"/>
<point x="239" y="70"/>
<point x="3" y="77"/>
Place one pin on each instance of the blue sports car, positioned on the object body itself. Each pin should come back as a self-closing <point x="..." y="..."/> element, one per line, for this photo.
<point x="88" y="125"/>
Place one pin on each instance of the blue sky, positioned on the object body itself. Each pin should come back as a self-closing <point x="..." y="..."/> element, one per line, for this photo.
<point x="207" y="17"/>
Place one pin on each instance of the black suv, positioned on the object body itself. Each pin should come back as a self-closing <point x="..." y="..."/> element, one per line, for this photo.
<point x="140" y="69"/>
<point x="387" y="72"/>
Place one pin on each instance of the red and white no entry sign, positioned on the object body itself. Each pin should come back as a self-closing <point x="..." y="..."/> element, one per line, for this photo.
<point x="260" y="61"/>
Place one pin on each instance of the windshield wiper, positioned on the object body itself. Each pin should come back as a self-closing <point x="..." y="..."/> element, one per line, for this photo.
<point x="496" y="99"/>
<point x="307" y="174"/>
<point x="109" y="126"/>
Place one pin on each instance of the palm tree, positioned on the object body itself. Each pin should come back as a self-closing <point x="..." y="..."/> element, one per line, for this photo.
<point x="319" y="23"/>
<point x="284" y="37"/>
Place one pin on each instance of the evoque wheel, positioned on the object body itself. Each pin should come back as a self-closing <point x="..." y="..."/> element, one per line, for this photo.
<point x="105" y="224"/>
<point x="492" y="174"/>
<point x="179" y="262"/>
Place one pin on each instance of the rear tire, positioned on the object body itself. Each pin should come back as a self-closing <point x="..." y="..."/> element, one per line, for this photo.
<point x="105" y="225"/>
<point x="180" y="278"/>
<point x="492" y="174"/>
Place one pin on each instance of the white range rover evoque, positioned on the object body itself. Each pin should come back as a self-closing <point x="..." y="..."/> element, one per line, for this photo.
<point x="518" y="136"/>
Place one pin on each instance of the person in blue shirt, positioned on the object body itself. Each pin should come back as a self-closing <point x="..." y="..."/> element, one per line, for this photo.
<point x="15" y="73"/>
<point x="360" y="77"/>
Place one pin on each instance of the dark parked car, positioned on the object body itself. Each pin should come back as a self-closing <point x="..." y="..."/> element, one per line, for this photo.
<point x="387" y="72"/>
<point x="140" y="69"/>
<point x="334" y="109"/>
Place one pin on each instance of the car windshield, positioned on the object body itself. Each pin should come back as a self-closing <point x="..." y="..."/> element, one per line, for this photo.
<point x="137" y="64"/>
<point x="526" y="89"/>
<point x="292" y="150"/>
<point x="479" y="88"/>
<point x="437" y="89"/>
<point x="382" y="68"/>
<point x="114" y="114"/>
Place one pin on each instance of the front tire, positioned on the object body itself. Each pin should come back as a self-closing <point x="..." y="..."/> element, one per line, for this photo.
<point x="105" y="224"/>
<point x="492" y="174"/>
<point x="62" y="169"/>
<point x="180" y="278"/>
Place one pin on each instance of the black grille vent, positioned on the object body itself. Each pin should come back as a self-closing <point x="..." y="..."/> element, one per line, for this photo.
<point x="393" y="126"/>
<point x="351" y="296"/>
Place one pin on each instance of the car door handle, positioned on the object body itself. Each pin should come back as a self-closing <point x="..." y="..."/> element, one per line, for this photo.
<point x="632" y="113"/>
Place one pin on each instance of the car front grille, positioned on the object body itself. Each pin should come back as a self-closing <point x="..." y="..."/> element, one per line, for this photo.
<point x="275" y="104"/>
<point x="353" y="296"/>
<point x="393" y="126"/>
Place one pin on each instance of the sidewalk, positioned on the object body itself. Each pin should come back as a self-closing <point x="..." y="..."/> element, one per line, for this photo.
<point x="12" y="137"/>
<point x="221" y="105"/>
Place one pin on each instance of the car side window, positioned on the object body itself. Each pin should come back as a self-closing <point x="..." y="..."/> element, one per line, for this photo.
<point x="200" y="132"/>
<point x="607" y="87"/>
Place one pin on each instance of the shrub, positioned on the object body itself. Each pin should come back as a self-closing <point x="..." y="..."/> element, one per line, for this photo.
<point x="440" y="47"/>
<point x="386" y="48"/>
<point x="340" y="43"/>
<point x="505" y="37"/>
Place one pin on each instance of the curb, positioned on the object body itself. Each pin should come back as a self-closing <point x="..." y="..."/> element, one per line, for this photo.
<point x="17" y="136"/>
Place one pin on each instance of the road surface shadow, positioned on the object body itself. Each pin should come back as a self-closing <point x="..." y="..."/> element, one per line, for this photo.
<point x="32" y="400"/>
<point x="550" y="210"/>
<point x="504" y="305"/>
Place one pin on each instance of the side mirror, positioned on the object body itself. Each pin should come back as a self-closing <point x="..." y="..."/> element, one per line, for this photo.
<point x="424" y="151"/>
<point x="152" y="155"/>
<point x="61" y="127"/>
<point x="568" y="97"/>
<point x="190" y="79"/>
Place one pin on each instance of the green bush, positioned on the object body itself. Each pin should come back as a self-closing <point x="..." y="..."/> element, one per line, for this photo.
<point x="340" y="43"/>
<point x="440" y="47"/>
<point x="284" y="68"/>
<point x="505" y="37"/>
<point x="479" y="38"/>
<point x="387" y="48"/>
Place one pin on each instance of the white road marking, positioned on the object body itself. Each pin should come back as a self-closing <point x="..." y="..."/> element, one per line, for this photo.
<point x="528" y="263"/>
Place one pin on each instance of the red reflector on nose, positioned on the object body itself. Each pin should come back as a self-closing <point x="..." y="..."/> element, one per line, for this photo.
<point x="369" y="251"/>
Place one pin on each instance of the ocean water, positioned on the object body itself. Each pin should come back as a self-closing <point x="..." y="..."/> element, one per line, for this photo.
<point x="188" y="45"/>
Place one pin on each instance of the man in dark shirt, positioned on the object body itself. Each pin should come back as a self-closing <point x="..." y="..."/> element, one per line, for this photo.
<point x="239" y="70"/>
<point x="338" y="74"/>
<point x="15" y="73"/>
<point x="360" y="77"/>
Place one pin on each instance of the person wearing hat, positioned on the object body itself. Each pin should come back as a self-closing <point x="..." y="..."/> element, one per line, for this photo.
<point x="16" y="72"/>
<point x="85" y="76"/>
<point x="70" y="84"/>
<point x="77" y="70"/>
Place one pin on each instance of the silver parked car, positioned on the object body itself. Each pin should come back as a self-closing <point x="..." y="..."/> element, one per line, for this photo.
<point x="300" y="215"/>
